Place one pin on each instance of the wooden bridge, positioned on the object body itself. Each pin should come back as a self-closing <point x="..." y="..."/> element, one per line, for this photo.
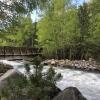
<point x="6" y="51"/>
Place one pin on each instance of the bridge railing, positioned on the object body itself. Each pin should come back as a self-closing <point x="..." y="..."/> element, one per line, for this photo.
<point x="19" y="51"/>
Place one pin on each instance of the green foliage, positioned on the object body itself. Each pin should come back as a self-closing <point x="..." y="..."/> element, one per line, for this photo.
<point x="11" y="9"/>
<point x="69" y="29"/>
<point x="83" y="14"/>
<point x="58" y="28"/>
<point x="23" y="34"/>
<point x="38" y="85"/>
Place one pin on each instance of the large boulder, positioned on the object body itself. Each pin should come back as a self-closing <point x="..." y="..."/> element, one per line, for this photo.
<point x="10" y="77"/>
<point x="12" y="73"/>
<point x="70" y="93"/>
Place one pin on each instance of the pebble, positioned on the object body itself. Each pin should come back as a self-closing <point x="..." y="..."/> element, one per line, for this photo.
<point x="82" y="64"/>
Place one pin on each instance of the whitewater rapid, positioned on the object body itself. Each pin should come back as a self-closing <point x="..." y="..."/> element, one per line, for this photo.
<point x="88" y="83"/>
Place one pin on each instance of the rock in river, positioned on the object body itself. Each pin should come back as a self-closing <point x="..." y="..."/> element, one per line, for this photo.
<point x="70" y="93"/>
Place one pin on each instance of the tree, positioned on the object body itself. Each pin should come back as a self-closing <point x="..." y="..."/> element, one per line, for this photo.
<point x="84" y="25"/>
<point x="83" y="14"/>
<point x="94" y="39"/>
<point x="11" y="9"/>
<point x="23" y="34"/>
<point x="58" y="28"/>
<point x="94" y="7"/>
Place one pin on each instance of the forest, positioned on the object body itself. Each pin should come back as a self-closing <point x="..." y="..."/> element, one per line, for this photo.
<point x="65" y="29"/>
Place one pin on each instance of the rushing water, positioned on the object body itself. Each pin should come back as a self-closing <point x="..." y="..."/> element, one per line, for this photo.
<point x="88" y="83"/>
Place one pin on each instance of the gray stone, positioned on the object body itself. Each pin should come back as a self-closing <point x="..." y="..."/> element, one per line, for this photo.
<point x="70" y="93"/>
<point x="12" y="73"/>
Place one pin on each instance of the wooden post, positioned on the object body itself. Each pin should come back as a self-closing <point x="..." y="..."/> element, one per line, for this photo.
<point x="4" y="52"/>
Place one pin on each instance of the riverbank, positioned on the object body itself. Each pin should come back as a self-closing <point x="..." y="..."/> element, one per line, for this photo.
<point x="90" y="65"/>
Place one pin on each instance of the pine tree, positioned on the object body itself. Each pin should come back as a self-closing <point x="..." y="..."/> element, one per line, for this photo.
<point x="84" y="25"/>
<point x="83" y="14"/>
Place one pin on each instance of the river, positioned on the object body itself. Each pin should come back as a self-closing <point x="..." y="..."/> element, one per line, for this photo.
<point x="87" y="82"/>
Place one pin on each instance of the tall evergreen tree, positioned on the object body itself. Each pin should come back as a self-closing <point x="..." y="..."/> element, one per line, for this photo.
<point x="83" y="14"/>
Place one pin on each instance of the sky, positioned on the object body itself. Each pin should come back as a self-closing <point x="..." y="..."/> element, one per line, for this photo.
<point x="36" y="18"/>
